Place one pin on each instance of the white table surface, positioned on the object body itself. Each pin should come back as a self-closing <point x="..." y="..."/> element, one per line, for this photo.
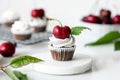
<point x="106" y="62"/>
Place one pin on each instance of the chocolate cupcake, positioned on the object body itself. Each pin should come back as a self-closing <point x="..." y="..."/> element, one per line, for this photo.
<point x="38" y="24"/>
<point x="62" y="43"/>
<point x="21" y="30"/>
<point x="62" y="49"/>
<point x="38" y="20"/>
<point x="9" y="17"/>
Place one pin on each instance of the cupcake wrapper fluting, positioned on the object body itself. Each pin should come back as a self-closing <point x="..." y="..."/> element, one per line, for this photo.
<point x="62" y="54"/>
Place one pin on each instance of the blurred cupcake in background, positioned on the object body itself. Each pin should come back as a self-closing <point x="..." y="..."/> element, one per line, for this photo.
<point x="38" y="20"/>
<point x="21" y="30"/>
<point x="9" y="17"/>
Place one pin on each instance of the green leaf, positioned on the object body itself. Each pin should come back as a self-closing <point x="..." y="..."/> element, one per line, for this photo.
<point x="108" y="38"/>
<point x="23" y="60"/>
<point x="20" y="75"/>
<point x="78" y="29"/>
<point x="117" y="45"/>
<point x="11" y="74"/>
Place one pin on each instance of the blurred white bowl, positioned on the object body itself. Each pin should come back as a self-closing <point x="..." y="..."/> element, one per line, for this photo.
<point x="99" y="30"/>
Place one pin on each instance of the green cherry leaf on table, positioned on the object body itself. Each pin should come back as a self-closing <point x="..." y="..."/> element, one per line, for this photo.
<point x="23" y="60"/>
<point x="78" y="29"/>
<point x="11" y="74"/>
<point x="20" y="75"/>
<point x="117" y="45"/>
<point x="16" y="75"/>
<point x="108" y="38"/>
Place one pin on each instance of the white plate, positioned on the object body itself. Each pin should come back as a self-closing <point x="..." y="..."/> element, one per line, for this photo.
<point x="79" y="64"/>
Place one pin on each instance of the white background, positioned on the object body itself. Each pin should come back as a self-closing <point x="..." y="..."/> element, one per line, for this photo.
<point x="107" y="61"/>
<point x="68" y="11"/>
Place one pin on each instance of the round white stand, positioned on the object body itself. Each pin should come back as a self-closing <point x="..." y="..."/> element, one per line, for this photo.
<point x="79" y="64"/>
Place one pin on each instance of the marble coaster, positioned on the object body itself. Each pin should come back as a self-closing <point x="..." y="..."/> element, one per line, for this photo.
<point x="80" y="64"/>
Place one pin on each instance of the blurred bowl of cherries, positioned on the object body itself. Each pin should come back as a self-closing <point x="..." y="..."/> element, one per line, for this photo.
<point x="103" y="18"/>
<point x="101" y="24"/>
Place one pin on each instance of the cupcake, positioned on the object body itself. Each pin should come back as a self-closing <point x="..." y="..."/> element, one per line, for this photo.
<point x="38" y="24"/>
<point x="62" y="43"/>
<point x="9" y="17"/>
<point x="62" y="49"/>
<point x="21" y="30"/>
<point x="38" y="21"/>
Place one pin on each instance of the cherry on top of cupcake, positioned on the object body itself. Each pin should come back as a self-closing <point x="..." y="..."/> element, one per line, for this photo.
<point x="104" y="17"/>
<point x="62" y="32"/>
<point x="38" y="13"/>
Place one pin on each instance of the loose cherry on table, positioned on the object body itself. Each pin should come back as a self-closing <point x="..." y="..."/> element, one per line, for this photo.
<point x="7" y="49"/>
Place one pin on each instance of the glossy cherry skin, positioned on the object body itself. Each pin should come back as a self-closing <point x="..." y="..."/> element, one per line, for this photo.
<point x="61" y="32"/>
<point x="41" y="12"/>
<point x="7" y="49"/>
<point x="116" y="19"/>
<point x="91" y="19"/>
<point x="35" y="13"/>
<point x="106" y="20"/>
<point x="84" y="18"/>
<point x="105" y="13"/>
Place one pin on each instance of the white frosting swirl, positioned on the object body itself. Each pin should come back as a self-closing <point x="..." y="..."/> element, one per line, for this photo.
<point x="67" y="42"/>
<point x="9" y="16"/>
<point x="20" y="27"/>
<point x="38" y="22"/>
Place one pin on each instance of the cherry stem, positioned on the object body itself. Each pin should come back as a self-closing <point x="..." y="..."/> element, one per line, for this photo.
<point x="9" y="72"/>
<point x="50" y="19"/>
<point x="3" y="67"/>
<point x="3" y="70"/>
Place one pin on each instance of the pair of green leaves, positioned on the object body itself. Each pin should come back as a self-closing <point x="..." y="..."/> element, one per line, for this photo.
<point x="19" y="62"/>
<point x="108" y="38"/>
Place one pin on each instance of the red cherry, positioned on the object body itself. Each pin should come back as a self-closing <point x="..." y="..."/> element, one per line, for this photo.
<point x="106" y="20"/>
<point x="41" y="12"/>
<point x="116" y="19"/>
<point x="61" y="32"/>
<point x="7" y="49"/>
<point x="91" y="19"/>
<point x="35" y="13"/>
<point x="105" y="13"/>
<point x="84" y="19"/>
